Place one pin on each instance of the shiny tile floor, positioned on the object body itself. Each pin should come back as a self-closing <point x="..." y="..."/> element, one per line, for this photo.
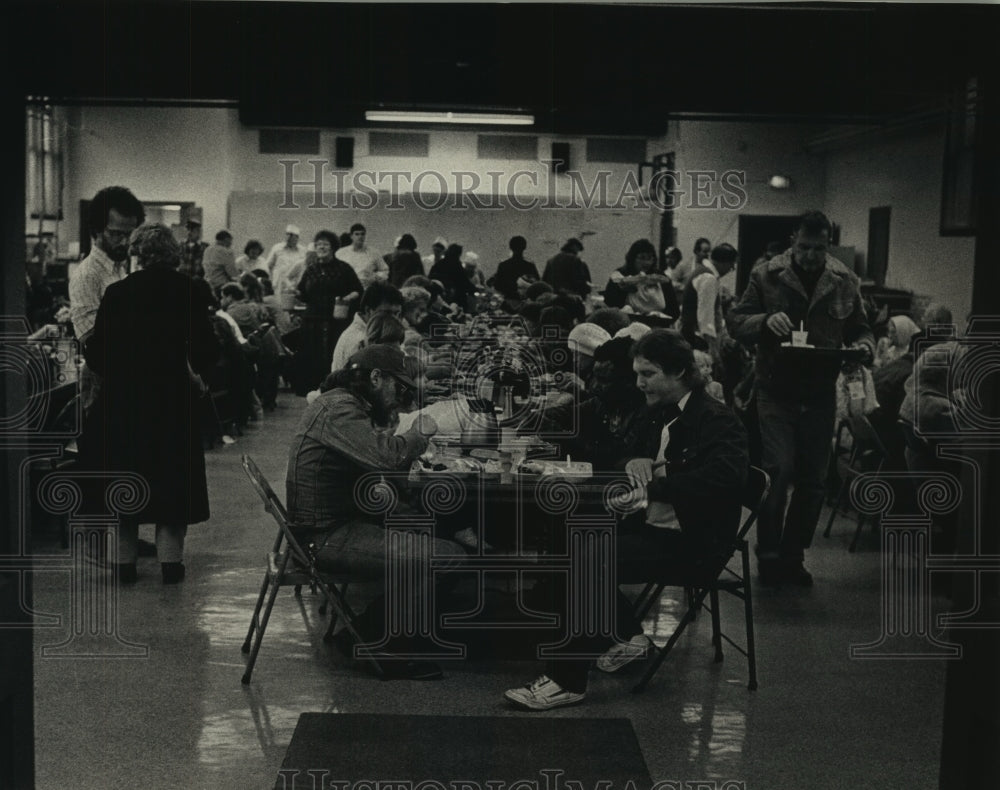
<point x="178" y="717"/>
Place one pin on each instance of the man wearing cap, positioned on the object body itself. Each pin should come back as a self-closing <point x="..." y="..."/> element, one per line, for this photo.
<point x="367" y="263"/>
<point x="219" y="261"/>
<point x="343" y="435"/>
<point x="584" y="339"/>
<point x="286" y="262"/>
<point x="193" y="250"/>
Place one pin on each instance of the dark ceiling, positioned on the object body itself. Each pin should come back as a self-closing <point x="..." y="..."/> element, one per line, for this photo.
<point x="580" y="68"/>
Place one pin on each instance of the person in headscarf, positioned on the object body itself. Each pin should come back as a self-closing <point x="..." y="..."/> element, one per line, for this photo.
<point x="897" y="340"/>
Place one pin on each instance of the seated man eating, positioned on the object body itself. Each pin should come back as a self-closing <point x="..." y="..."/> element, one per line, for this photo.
<point x="345" y="433"/>
<point x="689" y="465"/>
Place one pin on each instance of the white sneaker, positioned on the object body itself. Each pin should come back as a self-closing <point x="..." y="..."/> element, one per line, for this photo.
<point x="624" y="653"/>
<point x="543" y="694"/>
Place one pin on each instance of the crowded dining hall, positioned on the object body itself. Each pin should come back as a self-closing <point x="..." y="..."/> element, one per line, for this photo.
<point x="480" y="419"/>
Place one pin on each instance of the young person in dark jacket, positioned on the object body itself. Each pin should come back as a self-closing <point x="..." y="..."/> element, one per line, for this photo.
<point x="685" y="509"/>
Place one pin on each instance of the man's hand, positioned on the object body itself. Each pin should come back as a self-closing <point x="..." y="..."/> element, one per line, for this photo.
<point x="426" y="425"/>
<point x="869" y="357"/>
<point x="780" y="324"/>
<point x="639" y="471"/>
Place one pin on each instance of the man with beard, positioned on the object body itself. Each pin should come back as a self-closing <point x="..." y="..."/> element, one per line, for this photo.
<point x="344" y="434"/>
<point x="112" y="216"/>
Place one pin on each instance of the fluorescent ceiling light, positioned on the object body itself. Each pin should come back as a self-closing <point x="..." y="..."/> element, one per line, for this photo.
<point x="424" y="116"/>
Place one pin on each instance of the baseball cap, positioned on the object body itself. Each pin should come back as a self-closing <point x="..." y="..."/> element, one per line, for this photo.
<point x="193" y="223"/>
<point x="585" y="338"/>
<point x="634" y="330"/>
<point x="293" y="229"/>
<point x="388" y="359"/>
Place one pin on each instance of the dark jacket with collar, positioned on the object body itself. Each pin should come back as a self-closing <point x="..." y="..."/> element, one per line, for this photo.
<point x="707" y="463"/>
<point x="834" y="317"/>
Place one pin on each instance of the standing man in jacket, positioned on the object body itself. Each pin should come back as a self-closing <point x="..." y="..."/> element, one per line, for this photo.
<point x="796" y="397"/>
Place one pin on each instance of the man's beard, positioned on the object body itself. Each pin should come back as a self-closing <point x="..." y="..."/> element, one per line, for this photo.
<point x="383" y="415"/>
<point x="116" y="254"/>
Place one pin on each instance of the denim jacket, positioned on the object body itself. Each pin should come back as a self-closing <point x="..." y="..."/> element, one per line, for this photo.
<point x="834" y="317"/>
<point x="335" y="444"/>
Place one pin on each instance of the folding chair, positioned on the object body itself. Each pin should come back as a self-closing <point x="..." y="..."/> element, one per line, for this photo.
<point x="868" y="454"/>
<point x="289" y="565"/>
<point x="706" y="579"/>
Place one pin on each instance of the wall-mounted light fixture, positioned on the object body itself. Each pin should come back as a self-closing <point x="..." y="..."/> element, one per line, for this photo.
<point x="779" y="182"/>
<point x="424" y="116"/>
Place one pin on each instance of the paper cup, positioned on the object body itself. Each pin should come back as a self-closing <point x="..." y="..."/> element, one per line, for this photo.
<point x="800" y="338"/>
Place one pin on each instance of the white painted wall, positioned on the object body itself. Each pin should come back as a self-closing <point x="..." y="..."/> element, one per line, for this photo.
<point x="207" y="156"/>
<point x="756" y="150"/>
<point x="903" y="172"/>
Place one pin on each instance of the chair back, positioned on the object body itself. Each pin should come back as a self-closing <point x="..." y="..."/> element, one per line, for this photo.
<point x="274" y="506"/>
<point x="754" y="493"/>
<point x="864" y="433"/>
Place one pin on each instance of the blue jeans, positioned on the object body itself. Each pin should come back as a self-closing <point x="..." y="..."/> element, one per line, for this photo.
<point x="362" y="549"/>
<point x="795" y="450"/>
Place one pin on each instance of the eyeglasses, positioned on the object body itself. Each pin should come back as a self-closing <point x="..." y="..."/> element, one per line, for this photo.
<point x="121" y="235"/>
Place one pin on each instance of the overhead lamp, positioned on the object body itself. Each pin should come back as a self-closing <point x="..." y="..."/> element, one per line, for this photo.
<point x="779" y="182"/>
<point x="425" y="116"/>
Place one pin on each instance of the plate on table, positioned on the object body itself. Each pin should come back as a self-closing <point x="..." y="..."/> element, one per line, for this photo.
<point x="569" y="470"/>
<point x="449" y="466"/>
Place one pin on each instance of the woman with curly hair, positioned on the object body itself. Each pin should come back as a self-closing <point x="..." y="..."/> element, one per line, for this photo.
<point x="152" y="342"/>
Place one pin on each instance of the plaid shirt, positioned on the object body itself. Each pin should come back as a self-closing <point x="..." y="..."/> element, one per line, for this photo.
<point x="86" y="289"/>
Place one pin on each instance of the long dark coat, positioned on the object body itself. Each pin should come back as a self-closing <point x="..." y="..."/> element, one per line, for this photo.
<point x="147" y="416"/>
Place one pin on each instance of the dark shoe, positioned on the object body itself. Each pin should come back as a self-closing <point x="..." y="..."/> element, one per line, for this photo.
<point x="125" y="573"/>
<point x="146" y="549"/>
<point x="173" y="572"/>
<point x="408" y="669"/>
<point x="799" y="576"/>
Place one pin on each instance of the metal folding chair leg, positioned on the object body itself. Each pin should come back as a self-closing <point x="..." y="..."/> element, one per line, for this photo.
<point x="661" y="653"/>
<point x="716" y="625"/>
<point x="261" y="627"/>
<point x="748" y="614"/>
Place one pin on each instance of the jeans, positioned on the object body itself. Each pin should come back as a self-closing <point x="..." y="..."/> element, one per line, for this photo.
<point x="400" y="560"/>
<point x="795" y="449"/>
<point x="362" y="549"/>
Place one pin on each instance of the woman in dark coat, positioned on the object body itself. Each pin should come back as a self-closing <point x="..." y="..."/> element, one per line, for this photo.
<point x="327" y="280"/>
<point x="151" y="343"/>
